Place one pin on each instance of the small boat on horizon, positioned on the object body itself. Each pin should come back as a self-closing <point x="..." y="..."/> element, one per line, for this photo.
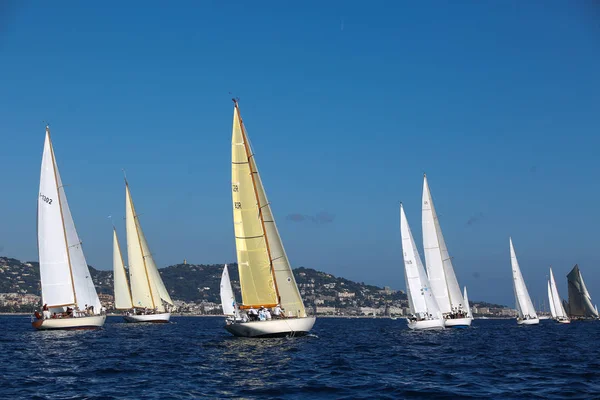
<point x="68" y="292"/>
<point x="426" y="314"/>
<point x="525" y="310"/>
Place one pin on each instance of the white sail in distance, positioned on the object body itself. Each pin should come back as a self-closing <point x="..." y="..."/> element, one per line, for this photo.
<point x="523" y="301"/>
<point x="147" y="287"/>
<point x="227" y="297"/>
<point x="266" y="277"/>
<point x="551" y="302"/>
<point x="556" y="302"/>
<point x="121" y="287"/>
<point x="439" y="264"/>
<point x="423" y="302"/>
<point x="467" y="306"/>
<point x="64" y="273"/>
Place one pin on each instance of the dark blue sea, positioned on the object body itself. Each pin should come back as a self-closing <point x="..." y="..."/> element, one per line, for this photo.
<point x="344" y="359"/>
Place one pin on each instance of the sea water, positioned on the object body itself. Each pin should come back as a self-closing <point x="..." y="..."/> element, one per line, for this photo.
<point x="344" y="358"/>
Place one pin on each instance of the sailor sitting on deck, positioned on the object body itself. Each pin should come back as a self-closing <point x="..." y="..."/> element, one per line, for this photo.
<point x="278" y="312"/>
<point x="252" y="314"/>
<point x="261" y="314"/>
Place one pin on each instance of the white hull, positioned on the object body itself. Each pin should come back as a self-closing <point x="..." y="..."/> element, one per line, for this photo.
<point x="533" y="321"/>
<point x="458" y="322"/>
<point x="563" y="321"/>
<point x="93" y="322"/>
<point x="273" y="328"/>
<point x="428" y="324"/>
<point x="156" y="318"/>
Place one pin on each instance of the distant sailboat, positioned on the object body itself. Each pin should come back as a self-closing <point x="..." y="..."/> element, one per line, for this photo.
<point x="68" y="292"/>
<point x="527" y="314"/>
<point x="556" y="308"/>
<point x="580" y="302"/>
<point x="423" y="306"/>
<point x="439" y="266"/>
<point x="227" y="297"/>
<point x="467" y="306"/>
<point x="148" y="292"/>
<point x="266" y="277"/>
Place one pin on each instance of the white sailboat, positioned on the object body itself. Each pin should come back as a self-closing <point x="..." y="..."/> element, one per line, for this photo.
<point x="148" y="292"/>
<point x="423" y="306"/>
<point x="467" y="306"/>
<point x="444" y="284"/>
<point x="580" y="301"/>
<point x="68" y="292"/>
<point x="266" y="277"/>
<point x="556" y="308"/>
<point x="527" y="314"/>
<point x="228" y="302"/>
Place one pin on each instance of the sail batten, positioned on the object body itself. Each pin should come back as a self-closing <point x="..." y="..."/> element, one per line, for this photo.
<point x="265" y="272"/>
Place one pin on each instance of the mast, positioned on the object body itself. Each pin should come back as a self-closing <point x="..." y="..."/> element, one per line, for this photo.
<point x="249" y="155"/>
<point x="64" y="229"/>
<point x="135" y="219"/>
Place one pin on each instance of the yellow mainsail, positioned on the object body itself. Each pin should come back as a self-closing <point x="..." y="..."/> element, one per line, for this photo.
<point x="266" y="277"/>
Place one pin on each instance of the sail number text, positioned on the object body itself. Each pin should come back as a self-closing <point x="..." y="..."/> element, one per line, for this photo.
<point x="237" y="205"/>
<point x="46" y="199"/>
<point x="234" y="188"/>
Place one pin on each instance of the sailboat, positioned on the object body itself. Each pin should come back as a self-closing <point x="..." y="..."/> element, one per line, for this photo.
<point x="149" y="296"/>
<point x="525" y="310"/>
<point x="444" y="284"/>
<point x="68" y="292"/>
<point x="266" y="277"/>
<point x="467" y="306"/>
<point x="227" y="297"/>
<point x="556" y="308"/>
<point x="423" y="306"/>
<point x="580" y="301"/>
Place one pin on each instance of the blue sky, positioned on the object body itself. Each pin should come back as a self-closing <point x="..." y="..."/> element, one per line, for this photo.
<point x="347" y="104"/>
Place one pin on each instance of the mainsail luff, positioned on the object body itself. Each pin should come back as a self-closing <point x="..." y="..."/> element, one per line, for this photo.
<point x="523" y="300"/>
<point x="123" y="300"/>
<point x="257" y="276"/>
<point x="439" y="263"/>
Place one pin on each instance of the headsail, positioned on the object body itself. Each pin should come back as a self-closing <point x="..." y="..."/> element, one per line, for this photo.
<point x="439" y="264"/>
<point x="467" y="306"/>
<point x="227" y="297"/>
<point x="580" y="302"/>
<point x="524" y="304"/>
<point x="551" y="302"/>
<point x="122" y="293"/>
<point x="65" y="276"/>
<point x="266" y="277"/>
<point x="423" y="301"/>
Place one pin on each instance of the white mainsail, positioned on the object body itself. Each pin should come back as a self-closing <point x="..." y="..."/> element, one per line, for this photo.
<point x="523" y="301"/>
<point x="227" y="297"/>
<point x="556" y="302"/>
<point x="467" y="306"/>
<point x="64" y="273"/>
<point x="147" y="287"/>
<point x="439" y="264"/>
<point x="122" y="293"/>
<point x="422" y="300"/>
<point x="266" y="277"/>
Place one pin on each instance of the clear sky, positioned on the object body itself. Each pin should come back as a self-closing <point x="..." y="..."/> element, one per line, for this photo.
<point x="347" y="103"/>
